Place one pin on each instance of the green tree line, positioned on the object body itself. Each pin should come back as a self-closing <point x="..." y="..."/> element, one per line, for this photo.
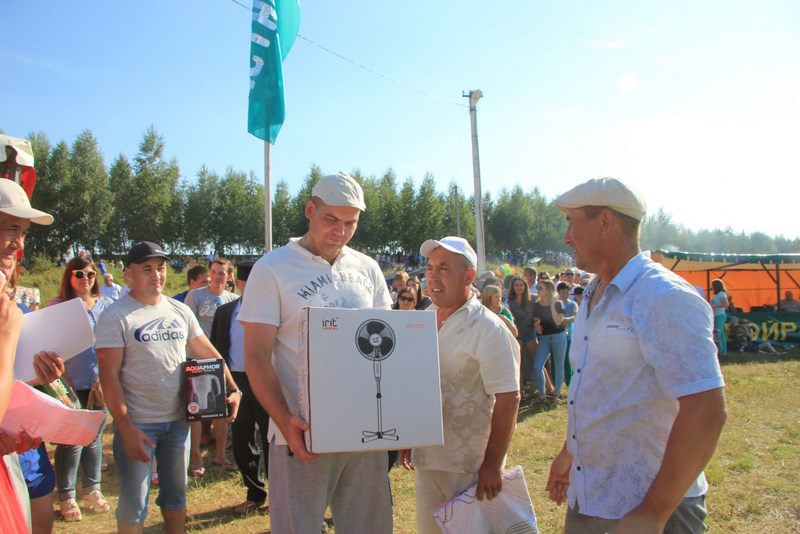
<point x="106" y="209"/>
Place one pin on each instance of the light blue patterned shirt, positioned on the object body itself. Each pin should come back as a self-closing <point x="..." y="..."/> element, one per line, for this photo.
<point x="647" y="342"/>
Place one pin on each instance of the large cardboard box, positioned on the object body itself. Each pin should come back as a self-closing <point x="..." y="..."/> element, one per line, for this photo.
<point x="369" y="380"/>
<point x="204" y="389"/>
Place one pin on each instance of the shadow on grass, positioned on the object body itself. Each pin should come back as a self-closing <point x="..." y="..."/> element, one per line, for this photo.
<point x="214" y="518"/>
<point x="527" y="410"/>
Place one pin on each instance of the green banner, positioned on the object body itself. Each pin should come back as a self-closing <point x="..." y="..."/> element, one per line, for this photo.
<point x="274" y="28"/>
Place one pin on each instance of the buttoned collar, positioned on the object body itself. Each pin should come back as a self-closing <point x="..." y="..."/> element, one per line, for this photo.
<point x="624" y="278"/>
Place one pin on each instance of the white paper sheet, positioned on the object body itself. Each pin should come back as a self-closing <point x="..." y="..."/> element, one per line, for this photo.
<point x="43" y="416"/>
<point x="511" y="512"/>
<point x="64" y="329"/>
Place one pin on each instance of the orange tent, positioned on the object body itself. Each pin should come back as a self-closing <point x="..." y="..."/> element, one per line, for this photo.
<point x="752" y="280"/>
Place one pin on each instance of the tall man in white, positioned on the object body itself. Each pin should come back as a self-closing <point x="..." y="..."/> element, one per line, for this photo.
<point x="646" y="403"/>
<point x="479" y="360"/>
<point x="317" y="269"/>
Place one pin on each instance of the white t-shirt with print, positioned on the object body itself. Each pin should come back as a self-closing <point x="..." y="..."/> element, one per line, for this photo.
<point x="154" y="339"/>
<point x="290" y="278"/>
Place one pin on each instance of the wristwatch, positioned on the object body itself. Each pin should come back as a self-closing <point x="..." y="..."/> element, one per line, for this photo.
<point x="237" y="390"/>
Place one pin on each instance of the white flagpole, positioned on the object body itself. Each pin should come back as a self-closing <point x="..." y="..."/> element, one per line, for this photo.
<point x="267" y="201"/>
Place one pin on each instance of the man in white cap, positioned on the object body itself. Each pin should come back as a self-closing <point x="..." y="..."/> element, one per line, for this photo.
<point x="16" y="216"/>
<point x="479" y="366"/>
<point x="646" y="404"/>
<point x="317" y="269"/>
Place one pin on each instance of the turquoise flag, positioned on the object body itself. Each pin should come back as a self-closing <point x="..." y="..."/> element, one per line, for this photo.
<point x="275" y="25"/>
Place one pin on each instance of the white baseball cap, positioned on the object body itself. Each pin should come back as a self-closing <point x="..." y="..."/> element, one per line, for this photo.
<point x="459" y="245"/>
<point x="14" y="202"/>
<point x="340" y="189"/>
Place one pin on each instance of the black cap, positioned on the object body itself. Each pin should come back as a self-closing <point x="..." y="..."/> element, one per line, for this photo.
<point x="243" y="269"/>
<point x="143" y="251"/>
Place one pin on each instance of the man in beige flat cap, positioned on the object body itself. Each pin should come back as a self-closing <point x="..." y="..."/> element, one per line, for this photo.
<point x="646" y="404"/>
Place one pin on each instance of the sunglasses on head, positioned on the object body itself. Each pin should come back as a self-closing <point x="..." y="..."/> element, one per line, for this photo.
<point x="79" y="274"/>
<point x="407" y="299"/>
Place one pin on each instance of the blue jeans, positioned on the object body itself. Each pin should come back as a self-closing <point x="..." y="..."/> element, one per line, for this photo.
<point x="171" y="442"/>
<point x="555" y="344"/>
<point x="90" y="459"/>
<point x="719" y="333"/>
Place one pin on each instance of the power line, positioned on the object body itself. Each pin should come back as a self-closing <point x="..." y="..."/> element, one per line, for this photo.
<point x="370" y="69"/>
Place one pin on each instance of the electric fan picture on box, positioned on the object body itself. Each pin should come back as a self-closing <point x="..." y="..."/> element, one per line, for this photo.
<point x="204" y="389"/>
<point x="369" y="380"/>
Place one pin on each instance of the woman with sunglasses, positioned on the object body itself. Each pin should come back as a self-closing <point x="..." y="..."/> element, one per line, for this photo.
<point x="80" y="281"/>
<point x="552" y="337"/>
<point x="406" y="299"/>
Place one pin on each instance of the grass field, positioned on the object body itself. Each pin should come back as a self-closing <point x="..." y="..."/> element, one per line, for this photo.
<point x="754" y="475"/>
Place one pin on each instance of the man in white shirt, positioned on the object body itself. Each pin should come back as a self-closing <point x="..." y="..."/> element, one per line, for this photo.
<point x="646" y="404"/>
<point x="317" y="269"/>
<point x="109" y="288"/>
<point x="479" y="361"/>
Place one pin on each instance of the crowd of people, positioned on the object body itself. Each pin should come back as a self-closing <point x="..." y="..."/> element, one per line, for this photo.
<point x="644" y="396"/>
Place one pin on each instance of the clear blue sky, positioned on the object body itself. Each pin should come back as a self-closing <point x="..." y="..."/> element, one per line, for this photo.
<point x="695" y="103"/>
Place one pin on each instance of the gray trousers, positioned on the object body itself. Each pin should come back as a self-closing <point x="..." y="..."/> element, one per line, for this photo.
<point x="688" y="518"/>
<point x="355" y="485"/>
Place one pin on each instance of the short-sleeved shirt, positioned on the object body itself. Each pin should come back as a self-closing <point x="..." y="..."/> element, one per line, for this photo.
<point x="290" y="278"/>
<point x="111" y="291"/>
<point x="478" y="358"/>
<point x="204" y="304"/>
<point x="647" y="342"/>
<point x="154" y="342"/>
<point x="716" y="303"/>
<point x="545" y="316"/>
<point x="523" y="317"/>
<point x="507" y="314"/>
